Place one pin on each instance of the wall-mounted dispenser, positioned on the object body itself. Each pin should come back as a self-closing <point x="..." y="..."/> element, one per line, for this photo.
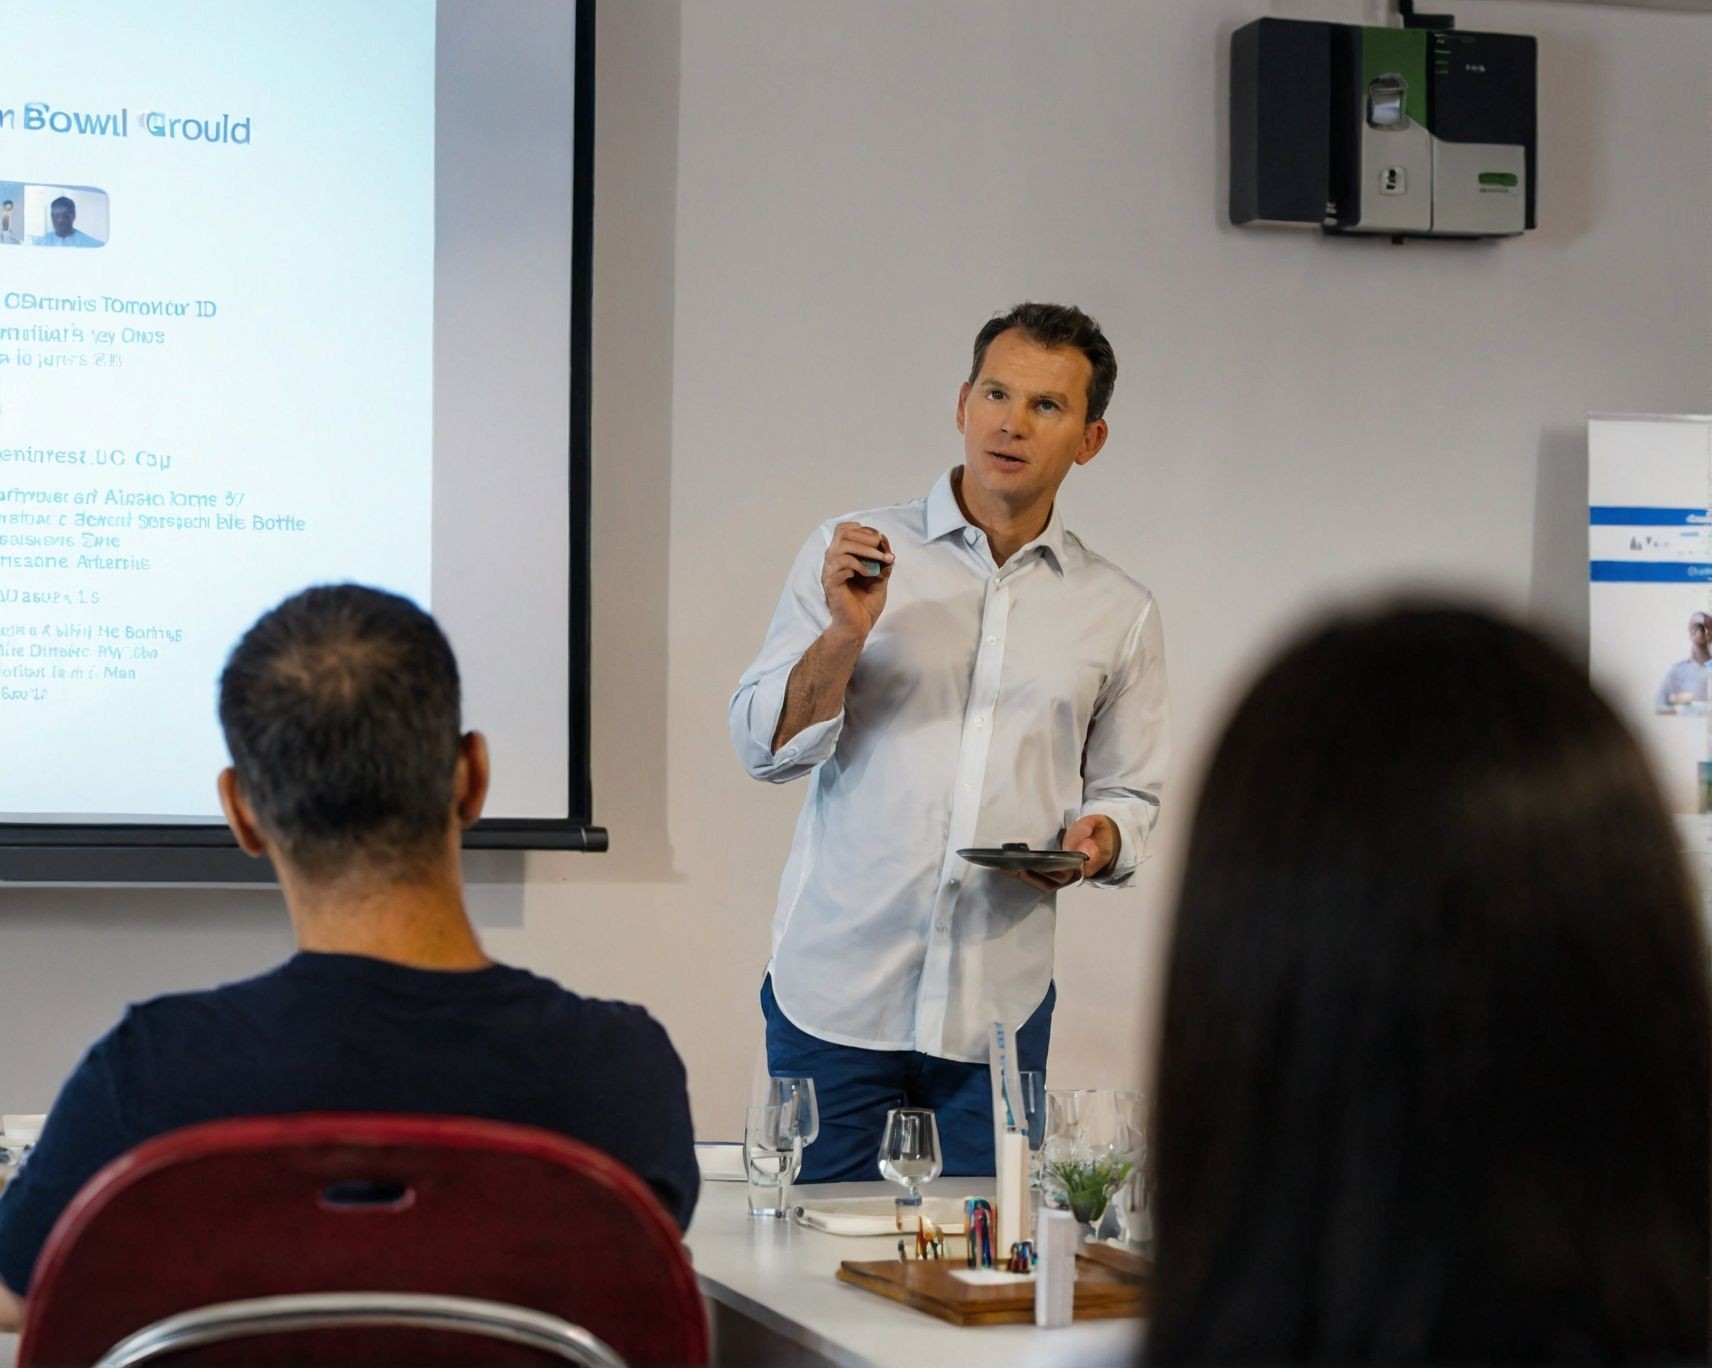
<point x="1424" y="132"/>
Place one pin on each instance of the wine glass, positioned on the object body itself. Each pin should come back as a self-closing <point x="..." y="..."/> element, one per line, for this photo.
<point x="770" y="1156"/>
<point x="802" y="1112"/>
<point x="909" y="1151"/>
<point x="1132" y="1204"/>
<point x="1094" y="1143"/>
<point x="1063" y="1109"/>
<point x="798" y="1096"/>
<point x="1060" y="1129"/>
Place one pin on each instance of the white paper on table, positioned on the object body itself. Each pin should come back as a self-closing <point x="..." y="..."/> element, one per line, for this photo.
<point x="720" y="1161"/>
<point x="17" y="1128"/>
<point x="877" y="1216"/>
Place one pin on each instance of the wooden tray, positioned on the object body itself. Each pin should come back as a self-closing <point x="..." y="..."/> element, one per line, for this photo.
<point x="1102" y="1291"/>
<point x="1131" y="1265"/>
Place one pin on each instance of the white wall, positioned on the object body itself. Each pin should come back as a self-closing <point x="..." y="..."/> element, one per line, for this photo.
<point x="805" y="209"/>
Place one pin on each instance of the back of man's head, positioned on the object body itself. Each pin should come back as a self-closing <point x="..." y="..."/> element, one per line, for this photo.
<point x="340" y="709"/>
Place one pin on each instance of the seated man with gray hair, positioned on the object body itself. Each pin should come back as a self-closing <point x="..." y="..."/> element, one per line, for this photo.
<point x="351" y="772"/>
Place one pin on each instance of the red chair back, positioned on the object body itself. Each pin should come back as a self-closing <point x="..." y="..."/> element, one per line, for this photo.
<point x="264" y="1206"/>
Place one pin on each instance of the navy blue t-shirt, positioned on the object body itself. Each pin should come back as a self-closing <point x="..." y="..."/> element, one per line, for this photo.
<point x="331" y="1033"/>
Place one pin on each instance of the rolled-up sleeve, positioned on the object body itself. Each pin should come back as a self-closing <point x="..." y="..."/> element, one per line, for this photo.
<point x="1129" y="745"/>
<point x="799" y="619"/>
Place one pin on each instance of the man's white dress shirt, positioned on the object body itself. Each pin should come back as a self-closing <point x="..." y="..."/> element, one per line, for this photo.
<point x="75" y="238"/>
<point x="989" y="704"/>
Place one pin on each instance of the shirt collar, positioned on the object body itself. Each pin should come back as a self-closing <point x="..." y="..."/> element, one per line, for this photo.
<point x="1051" y="539"/>
<point x="943" y="513"/>
<point x="945" y="516"/>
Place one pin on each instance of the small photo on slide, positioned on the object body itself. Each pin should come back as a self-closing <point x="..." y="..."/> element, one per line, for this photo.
<point x="11" y="213"/>
<point x="54" y="215"/>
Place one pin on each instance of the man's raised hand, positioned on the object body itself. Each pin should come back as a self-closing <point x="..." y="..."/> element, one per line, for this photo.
<point x="854" y="574"/>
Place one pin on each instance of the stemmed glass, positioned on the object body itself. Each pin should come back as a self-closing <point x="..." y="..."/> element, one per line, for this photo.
<point x="909" y="1151"/>
<point x="802" y="1112"/>
<point x="1063" y="1108"/>
<point x="1134" y="1207"/>
<point x="1094" y="1142"/>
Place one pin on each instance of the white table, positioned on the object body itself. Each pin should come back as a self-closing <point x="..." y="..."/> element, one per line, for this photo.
<point x="773" y="1298"/>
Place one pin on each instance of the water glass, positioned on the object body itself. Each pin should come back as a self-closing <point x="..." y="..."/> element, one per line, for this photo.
<point x="771" y="1153"/>
<point x="909" y="1151"/>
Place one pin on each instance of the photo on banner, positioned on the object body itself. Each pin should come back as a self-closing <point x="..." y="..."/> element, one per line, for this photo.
<point x="1649" y="481"/>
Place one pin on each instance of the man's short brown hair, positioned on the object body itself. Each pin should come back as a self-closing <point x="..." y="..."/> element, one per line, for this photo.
<point x="1058" y="325"/>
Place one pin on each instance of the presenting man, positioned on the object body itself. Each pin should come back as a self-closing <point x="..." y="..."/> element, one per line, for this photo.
<point x="340" y="708"/>
<point x="959" y="671"/>
<point x="62" y="213"/>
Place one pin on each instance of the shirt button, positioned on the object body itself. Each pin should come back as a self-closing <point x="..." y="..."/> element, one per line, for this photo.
<point x="951" y="883"/>
<point x="942" y="926"/>
<point x="992" y="641"/>
<point x="979" y="722"/>
<point x="968" y="788"/>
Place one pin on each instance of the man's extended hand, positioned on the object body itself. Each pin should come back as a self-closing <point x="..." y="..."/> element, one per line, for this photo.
<point x="1096" y="836"/>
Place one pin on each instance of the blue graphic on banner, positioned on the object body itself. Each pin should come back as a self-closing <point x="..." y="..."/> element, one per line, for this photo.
<point x="1648" y="572"/>
<point x="1612" y="515"/>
